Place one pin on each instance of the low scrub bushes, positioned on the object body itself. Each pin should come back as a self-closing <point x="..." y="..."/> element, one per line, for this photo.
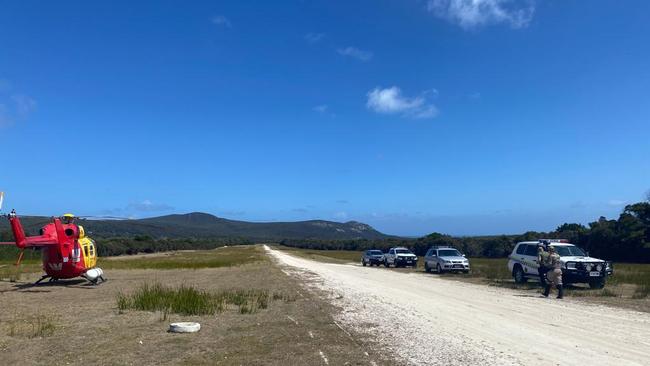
<point x="187" y="300"/>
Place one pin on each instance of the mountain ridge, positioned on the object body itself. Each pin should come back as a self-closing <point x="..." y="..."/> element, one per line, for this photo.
<point x="205" y="225"/>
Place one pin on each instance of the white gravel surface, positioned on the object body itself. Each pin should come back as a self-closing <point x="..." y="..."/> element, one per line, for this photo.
<point x="425" y="320"/>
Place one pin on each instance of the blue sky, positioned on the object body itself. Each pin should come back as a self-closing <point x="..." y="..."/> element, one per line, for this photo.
<point x="456" y="116"/>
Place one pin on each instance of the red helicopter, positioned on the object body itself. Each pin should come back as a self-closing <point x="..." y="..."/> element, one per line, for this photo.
<point x="66" y="250"/>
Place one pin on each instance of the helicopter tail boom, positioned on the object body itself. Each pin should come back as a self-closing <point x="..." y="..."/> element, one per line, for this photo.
<point x="21" y="240"/>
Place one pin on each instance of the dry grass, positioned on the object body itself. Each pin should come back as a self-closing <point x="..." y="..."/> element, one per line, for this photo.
<point x="37" y="326"/>
<point x="89" y="316"/>
<point x="217" y="258"/>
<point x="336" y="256"/>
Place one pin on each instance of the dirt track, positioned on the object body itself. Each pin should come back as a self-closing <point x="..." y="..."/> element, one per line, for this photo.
<point x="427" y="320"/>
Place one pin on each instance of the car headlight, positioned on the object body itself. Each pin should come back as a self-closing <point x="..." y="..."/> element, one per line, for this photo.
<point x="599" y="267"/>
<point x="588" y="266"/>
<point x="571" y="265"/>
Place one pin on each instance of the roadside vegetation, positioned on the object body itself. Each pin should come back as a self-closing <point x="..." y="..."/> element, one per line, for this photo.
<point x="188" y="300"/>
<point x="221" y="257"/>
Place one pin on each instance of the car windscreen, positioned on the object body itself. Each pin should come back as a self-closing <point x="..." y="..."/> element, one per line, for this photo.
<point x="402" y="251"/>
<point x="375" y="252"/>
<point x="448" y="253"/>
<point x="569" y="251"/>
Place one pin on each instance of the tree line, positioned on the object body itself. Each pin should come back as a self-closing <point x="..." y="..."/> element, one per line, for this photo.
<point x="624" y="239"/>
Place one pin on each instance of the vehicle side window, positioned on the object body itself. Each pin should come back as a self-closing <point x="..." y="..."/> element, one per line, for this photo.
<point x="434" y="253"/>
<point x="428" y="253"/>
<point x="392" y="251"/>
<point x="521" y="249"/>
<point x="531" y="250"/>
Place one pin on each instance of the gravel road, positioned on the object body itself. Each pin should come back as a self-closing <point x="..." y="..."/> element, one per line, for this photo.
<point x="423" y="320"/>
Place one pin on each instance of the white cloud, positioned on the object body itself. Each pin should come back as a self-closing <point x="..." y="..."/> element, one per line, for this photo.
<point x="24" y="104"/>
<point x="391" y="101"/>
<point x="476" y="13"/>
<point x="616" y="203"/>
<point x="14" y="107"/>
<point x="320" y="108"/>
<point x="341" y="215"/>
<point x="221" y="21"/>
<point x="148" y="206"/>
<point x="354" y="52"/>
<point x="314" y="37"/>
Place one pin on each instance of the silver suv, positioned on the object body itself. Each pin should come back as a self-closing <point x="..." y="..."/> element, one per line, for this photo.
<point x="445" y="259"/>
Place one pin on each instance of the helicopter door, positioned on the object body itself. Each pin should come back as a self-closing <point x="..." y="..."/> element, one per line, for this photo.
<point x="89" y="252"/>
<point x="92" y="254"/>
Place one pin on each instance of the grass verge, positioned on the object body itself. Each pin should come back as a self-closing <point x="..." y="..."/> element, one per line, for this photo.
<point x="336" y="256"/>
<point x="221" y="257"/>
<point x="187" y="300"/>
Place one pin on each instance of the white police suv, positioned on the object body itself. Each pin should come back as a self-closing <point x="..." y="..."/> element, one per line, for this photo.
<point x="577" y="266"/>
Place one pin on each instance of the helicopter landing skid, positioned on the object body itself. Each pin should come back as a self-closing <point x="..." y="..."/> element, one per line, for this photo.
<point x="97" y="281"/>
<point x="51" y="279"/>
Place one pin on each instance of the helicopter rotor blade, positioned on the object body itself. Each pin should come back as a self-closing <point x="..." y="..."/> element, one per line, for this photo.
<point x="2" y="196"/>
<point x="93" y="217"/>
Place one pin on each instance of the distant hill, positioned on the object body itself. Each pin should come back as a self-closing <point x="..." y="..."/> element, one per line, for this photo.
<point x="203" y="225"/>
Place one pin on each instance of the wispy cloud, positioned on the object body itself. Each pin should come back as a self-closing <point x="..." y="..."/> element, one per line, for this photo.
<point x="221" y="20"/>
<point x="391" y="101"/>
<point x="470" y="14"/>
<point x="148" y="206"/>
<point x="24" y="104"/>
<point x="616" y="202"/>
<point x="314" y="37"/>
<point x="320" y="108"/>
<point x="231" y="213"/>
<point x="13" y="106"/>
<point x="356" y="53"/>
<point x="341" y="215"/>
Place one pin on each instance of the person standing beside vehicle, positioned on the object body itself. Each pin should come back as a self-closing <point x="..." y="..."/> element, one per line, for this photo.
<point x="554" y="274"/>
<point x="542" y="260"/>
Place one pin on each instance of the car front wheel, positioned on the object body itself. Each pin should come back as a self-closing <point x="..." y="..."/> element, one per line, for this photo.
<point x="518" y="274"/>
<point x="438" y="268"/>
